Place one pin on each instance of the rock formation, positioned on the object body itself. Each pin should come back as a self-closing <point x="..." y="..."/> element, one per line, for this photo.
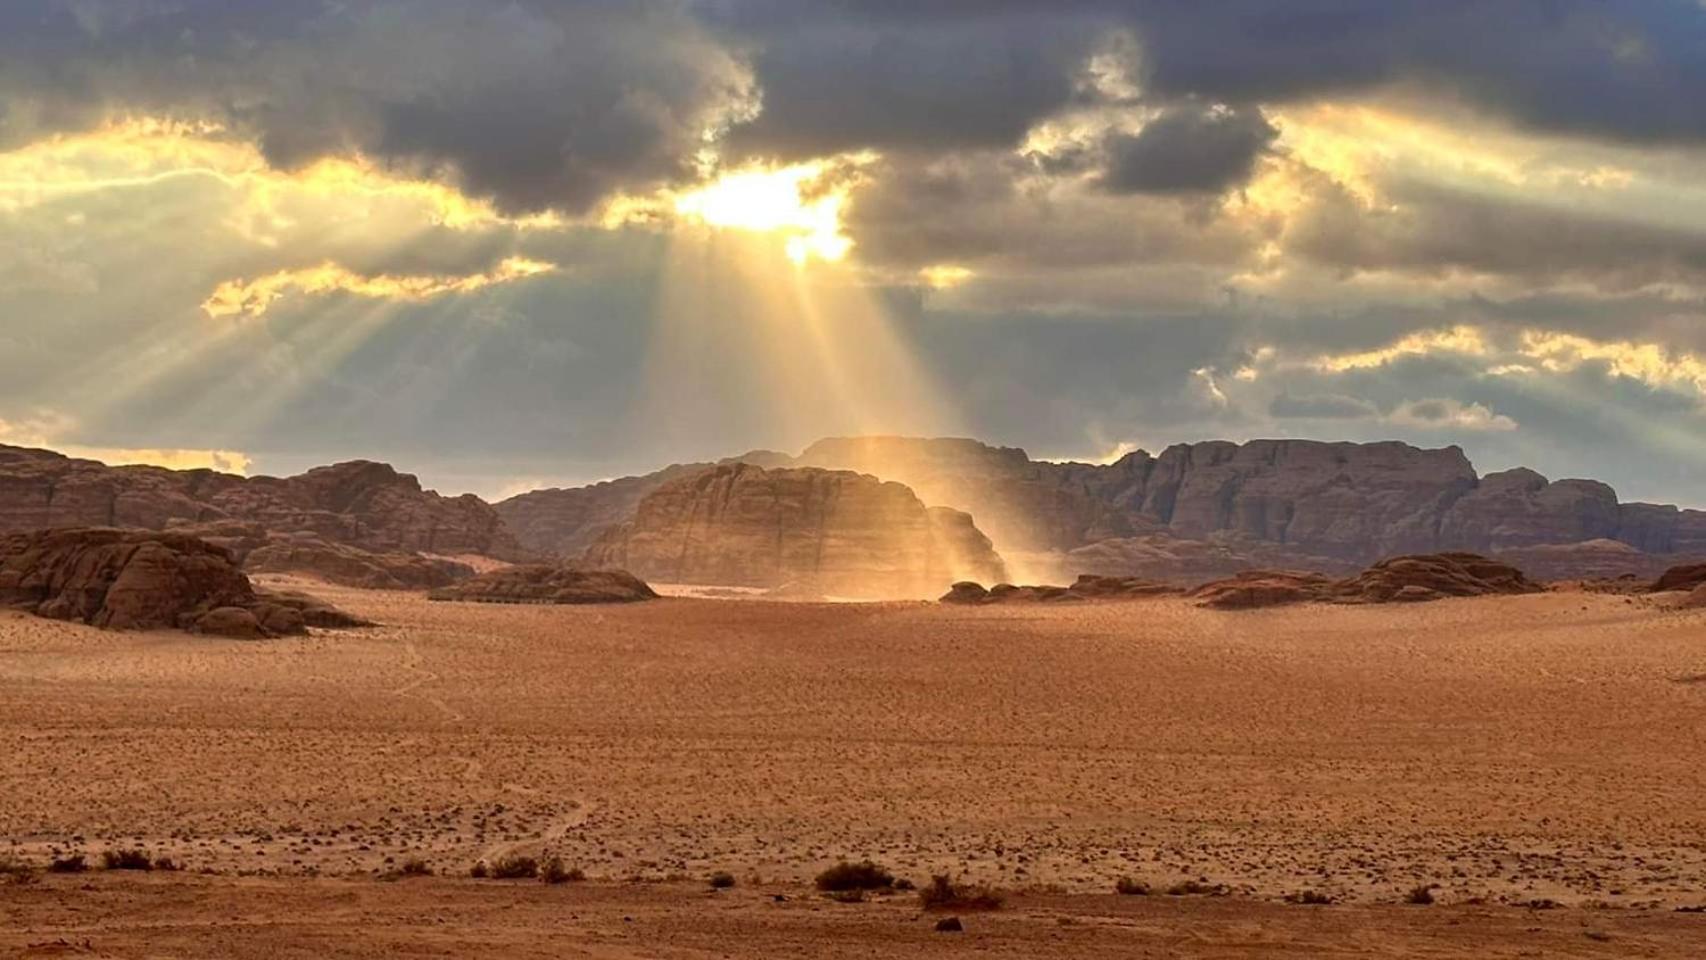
<point x="1307" y="504"/>
<point x="353" y="567"/>
<point x="137" y="580"/>
<point x="1690" y="576"/>
<point x="363" y="504"/>
<point x="1405" y="579"/>
<point x="1087" y="587"/>
<point x="545" y="583"/>
<point x="842" y="532"/>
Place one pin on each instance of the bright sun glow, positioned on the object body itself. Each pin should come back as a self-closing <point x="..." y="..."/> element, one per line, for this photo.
<point x="794" y="202"/>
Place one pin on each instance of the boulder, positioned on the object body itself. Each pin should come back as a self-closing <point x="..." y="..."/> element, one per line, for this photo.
<point x="845" y="533"/>
<point x="548" y="584"/>
<point x="135" y="580"/>
<point x="1087" y="587"/>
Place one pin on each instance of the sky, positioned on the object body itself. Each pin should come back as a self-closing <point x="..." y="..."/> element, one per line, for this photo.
<point x="543" y="242"/>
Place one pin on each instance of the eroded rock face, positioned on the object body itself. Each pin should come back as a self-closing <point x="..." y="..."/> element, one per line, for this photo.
<point x="1254" y="589"/>
<point x="1684" y="577"/>
<point x="368" y="505"/>
<point x="1283" y="503"/>
<point x="138" y="580"/>
<point x="845" y="533"/>
<point x="551" y="584"/>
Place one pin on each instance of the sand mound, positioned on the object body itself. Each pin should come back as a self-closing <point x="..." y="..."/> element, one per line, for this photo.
<point x="1087" y="587"/>
<point x="1398" y="580"/>
<point x="542" y="583"/>
<point x="143" y="580"/>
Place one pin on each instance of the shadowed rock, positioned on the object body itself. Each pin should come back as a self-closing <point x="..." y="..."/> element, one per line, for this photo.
<point x="543" y="583"/>
<point x="1398" y="580"/>
<point x="1087" y="587"/>
<point x="353" y="567"/>
<point x="1687" y="577"/>
<point x="140" y="580"/>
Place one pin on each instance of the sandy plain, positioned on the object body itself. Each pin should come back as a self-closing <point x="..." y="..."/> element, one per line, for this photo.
<point x="1542" y="760"/>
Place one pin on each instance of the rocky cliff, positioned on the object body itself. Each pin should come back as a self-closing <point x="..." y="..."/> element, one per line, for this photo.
<point x="1345" y="502"/>
<point x="364" y="504"/>
<point x="842" y="533"/>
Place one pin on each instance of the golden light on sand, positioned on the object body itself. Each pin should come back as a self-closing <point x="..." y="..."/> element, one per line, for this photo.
<point x="252" y="298"/>
<point x="801" y="203"/>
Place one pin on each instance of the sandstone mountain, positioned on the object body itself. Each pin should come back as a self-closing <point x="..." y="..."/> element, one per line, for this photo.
<point x="1205" y="510"/>
<point x="362" y="504"/>
<point x="140" y="580"/>
<point x="839" y="532"/>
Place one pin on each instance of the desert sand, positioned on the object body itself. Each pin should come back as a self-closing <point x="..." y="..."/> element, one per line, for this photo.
<point x="1541" y="759"/>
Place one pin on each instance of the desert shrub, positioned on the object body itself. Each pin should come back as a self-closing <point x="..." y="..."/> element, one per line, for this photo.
<point x="1197" y="888"/>
<point x="1421" y="896"/>
<point x="1314" y="898"/>
<point x="479" y="871"/>
<point x="555" y="872"/>
<point x="905" y="885"/>
<point x="722" y="880"/>
<point x="14" y="870"/>
<point x="515" y="867"/>
<point x="126" y="860"/>
<point x="945" y="894"/>
<point x="863" y="875"/>
<point x="72" y="863"/>
<point x="415" y="867"/>
<point x="167" y="864"/>
<point x="1127" y="887"/>
<point x="847" y="896"/>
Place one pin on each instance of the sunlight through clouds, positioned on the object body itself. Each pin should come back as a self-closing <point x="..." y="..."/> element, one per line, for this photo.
<point x="252" y="298"/>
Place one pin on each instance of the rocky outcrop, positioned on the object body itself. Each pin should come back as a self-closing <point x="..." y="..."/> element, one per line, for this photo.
<point x="1588" y="560"/>
<point x="1689" y="576"/>
<point x="1087" y="587"/>
<point x="136" y="580"/>
<point x="363" y="504"/>
<point x="1407" y="579"/>
<point x="1190" y="562"/>
<point x="545" y="583"/>
<point x="348" y="566"/>
<point x="842" y="532"/>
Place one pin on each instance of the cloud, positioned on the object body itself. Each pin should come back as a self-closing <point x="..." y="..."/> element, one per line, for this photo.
<point x="1449" y="414"/>
<point x="1187" y="149"/>
<point x="46" y="429"/>
<point x="1321" y="406"/>
<point x="536" y="105"/>
<point x="252" y="298"/>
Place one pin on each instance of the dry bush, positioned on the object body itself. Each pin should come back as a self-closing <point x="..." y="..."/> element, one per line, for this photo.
<point x="71" y="863"/>
<point x="1313" y="898"/>
<point x="126" y="860"/>
<point x="555" y="872"/>
<point x="1197" y="888"/>
<point x="945" y="894"/>
<point x="479" y="871"/>
<point x="863" y="875"/>
<point x="1421" y="896"/>
<point x="14" y="870"/>
<point x="722" y="880"/>
<point x="515" y="867"/>
<point x="1127" y="887"/>
<point x="415" y="867"/>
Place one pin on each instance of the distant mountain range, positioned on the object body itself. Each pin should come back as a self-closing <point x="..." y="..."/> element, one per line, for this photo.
<point x="1196" y="510"/>
<point x="1203" y="509"/>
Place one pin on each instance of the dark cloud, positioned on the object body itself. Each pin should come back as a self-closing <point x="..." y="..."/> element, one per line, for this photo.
<point x="1188" y="149"/>
<point x="1321" y="406"/>
<point x="1621" y="71"/>
<point x="535" y="104"/>
<point x="1430" y="229"/>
